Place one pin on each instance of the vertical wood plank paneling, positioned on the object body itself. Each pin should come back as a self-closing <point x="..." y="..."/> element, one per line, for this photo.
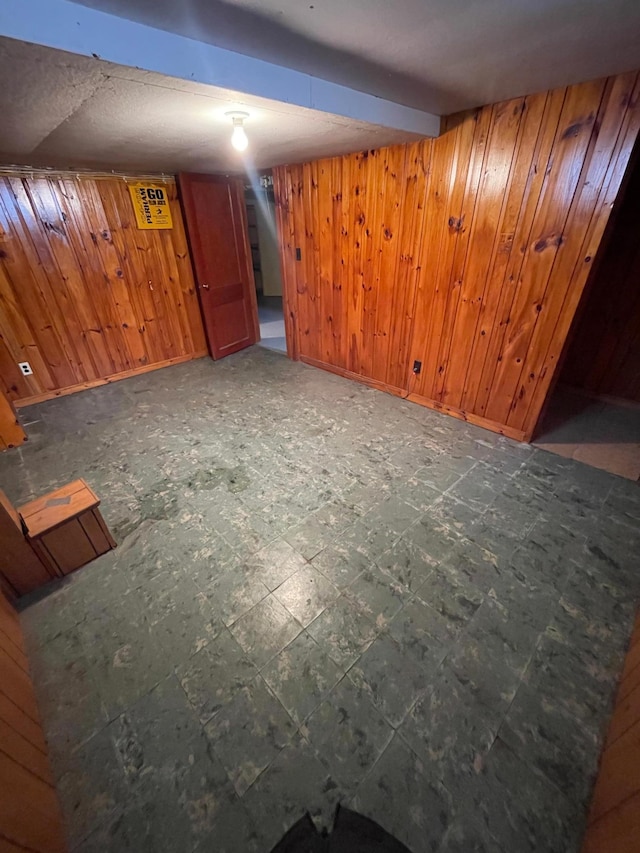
<point x="461" y="230"/>
<point x="29" y="812"/>
<point x="600" y="180"/>
<point x="325" y="258"/>
<point x="24" y="321"/>
<point x="386" y="289"/>
<point x="430" y="298"/>
<point x="468" y="253"/>
<point x="614" y="817"/>
<point x="443" y="257"/>
<point x="504" y="154"/>
<point x="286" y="229"/>
<point x="85" y="296"/>
<point x="79" y="202"/>
<point x="11" y="433"/>
<point x="604" y="354"/>
<point x="547" y="235"/>
<point x="540" y="119"/>
<point x="417" y="173"/>
<point x="355" y="298"/>
<point x="339" y="217"/>
<point x="127" y="282"/>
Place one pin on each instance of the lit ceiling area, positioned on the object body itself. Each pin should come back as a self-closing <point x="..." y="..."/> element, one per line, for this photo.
<point x="144" y="85"/>
<point x="435" y="55"/>
<point x="70" y="111"/>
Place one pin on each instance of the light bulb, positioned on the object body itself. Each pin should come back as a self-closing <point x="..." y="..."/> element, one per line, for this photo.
<point x="239" y="137"/>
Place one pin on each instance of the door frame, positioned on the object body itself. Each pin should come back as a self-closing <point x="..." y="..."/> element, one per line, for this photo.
<point x="286" y="250"/>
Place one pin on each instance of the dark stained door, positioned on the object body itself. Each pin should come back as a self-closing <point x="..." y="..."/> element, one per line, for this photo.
<point x="215" y="216"/>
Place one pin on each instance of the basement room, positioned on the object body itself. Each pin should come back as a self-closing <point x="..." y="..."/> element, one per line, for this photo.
<point x="319" y="426"/>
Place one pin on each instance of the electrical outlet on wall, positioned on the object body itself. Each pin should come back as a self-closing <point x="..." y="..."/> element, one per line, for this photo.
<point x="25" y="367"/>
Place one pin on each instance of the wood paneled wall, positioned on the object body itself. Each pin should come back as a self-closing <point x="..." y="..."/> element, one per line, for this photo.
<point x="604" y="355"/>
<point x="614" y="818"/>
<point x="11" y="433"/>
<point x="85" y="296"/>
<point x="468" y="253"/>
<point x="30" y="818"/>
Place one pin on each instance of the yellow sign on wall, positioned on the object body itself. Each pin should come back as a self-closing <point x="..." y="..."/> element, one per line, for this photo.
<point x="151" y="205"/>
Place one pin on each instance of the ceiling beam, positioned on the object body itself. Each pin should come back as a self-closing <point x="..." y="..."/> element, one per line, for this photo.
<point x="77" y="29"/>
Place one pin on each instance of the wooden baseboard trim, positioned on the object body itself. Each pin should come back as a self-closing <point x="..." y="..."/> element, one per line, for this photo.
<point x="502" y="429"/>
<point x="476" y="420"/>
<point x="106" y="380"/>
<point x="347" y="374"/>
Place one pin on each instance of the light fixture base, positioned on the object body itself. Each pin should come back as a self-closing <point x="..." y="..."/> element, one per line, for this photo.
<point x="237" y="114"/>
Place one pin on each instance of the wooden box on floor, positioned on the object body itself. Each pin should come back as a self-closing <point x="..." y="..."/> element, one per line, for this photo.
<point x="65" y="528"/>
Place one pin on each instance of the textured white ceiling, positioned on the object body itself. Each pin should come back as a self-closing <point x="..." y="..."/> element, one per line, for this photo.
<point x="436" y="55"/>
<point x="67" y="111"/>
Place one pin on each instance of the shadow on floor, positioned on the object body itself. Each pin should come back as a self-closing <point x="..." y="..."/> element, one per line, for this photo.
<point x="597" y="433"/>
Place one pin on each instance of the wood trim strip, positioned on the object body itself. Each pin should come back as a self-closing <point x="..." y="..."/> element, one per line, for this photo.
<point x="470" y="417"/>
<point x="517" y="435"/>
<point x="348" y="374"/>
<point x="107" y="380"/>
<point x="286" y="249"/>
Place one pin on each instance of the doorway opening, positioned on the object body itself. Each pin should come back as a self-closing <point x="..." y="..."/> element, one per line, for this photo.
<point x="593" y="414"/>
<point x="263" y="239"/>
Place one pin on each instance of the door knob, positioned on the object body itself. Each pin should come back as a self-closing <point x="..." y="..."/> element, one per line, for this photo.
<point x="204" y="286"/>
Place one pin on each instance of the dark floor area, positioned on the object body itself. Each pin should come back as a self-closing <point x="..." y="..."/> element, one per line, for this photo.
<point x="323" y="593"/>
<point x="271" y="319"/>
<point x="598" y="432"/>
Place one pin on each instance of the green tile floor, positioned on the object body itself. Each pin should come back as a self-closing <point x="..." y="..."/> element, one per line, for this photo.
<point x="322" y="593"/>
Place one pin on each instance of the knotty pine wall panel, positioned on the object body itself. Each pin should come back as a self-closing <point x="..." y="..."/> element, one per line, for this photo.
<point x="30" y="817"/>
<point x="11" y="433"/>
<point x="468" y="253"/>
<point x="85" y="296"/>
<point x="604" y="353"/>
<point x="614" y="816"/>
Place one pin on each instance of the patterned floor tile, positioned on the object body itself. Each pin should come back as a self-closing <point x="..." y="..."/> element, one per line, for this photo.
<point x="218" y="500"/>
<point x="306" y="594"/>
<point x="347" y="733"/>
<point x="301" y="676"/>
<point x="343" y="631"/>
<point x="265" y="630"/>
<point x="248" y="733"/>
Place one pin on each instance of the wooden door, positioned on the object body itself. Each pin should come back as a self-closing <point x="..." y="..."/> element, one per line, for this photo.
<point x="30" y="818"/>
<point x="215" y="215"/>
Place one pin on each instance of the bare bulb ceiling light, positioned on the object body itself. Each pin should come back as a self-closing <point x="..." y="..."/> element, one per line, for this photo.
<point x="238" y="137"/>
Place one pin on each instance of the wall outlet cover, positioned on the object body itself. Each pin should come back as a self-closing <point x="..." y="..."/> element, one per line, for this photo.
<point x="25" y="367"/>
